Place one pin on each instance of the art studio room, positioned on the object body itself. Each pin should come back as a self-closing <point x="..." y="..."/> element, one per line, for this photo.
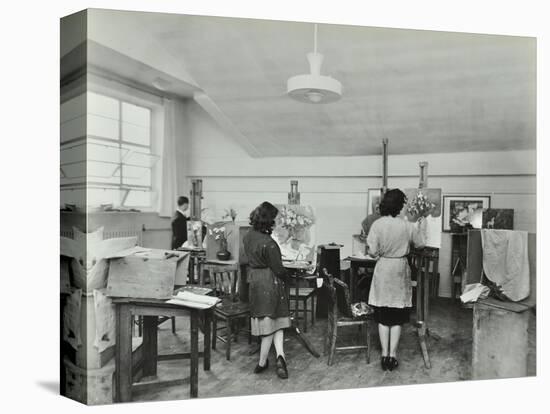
<point x="254" y="207"/>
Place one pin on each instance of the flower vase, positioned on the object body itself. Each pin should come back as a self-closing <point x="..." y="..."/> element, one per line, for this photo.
<point x="223" y="253"/>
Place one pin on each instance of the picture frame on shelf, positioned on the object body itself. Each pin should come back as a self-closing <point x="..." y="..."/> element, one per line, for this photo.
<point x="463" y="212"/>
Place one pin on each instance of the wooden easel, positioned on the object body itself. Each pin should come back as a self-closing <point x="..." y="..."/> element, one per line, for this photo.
<point x="426" y="258"/>
<point x="294" y="199"/>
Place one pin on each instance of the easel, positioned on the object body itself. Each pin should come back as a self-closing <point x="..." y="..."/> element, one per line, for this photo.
<point x="196" y="253"/>
<point x="294" y="199"/>
<point x="425" y="258"/>
<point x="458" y="267"/>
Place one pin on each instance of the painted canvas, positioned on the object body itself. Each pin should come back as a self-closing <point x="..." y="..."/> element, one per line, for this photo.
<point x="294" y="232"/>
<point x="425" y="202"/>
<point x="498" y="218"/>
<point x="374" y="196"/>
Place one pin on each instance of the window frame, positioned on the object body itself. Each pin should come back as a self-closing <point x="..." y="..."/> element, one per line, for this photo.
<point x="123" y="94"/>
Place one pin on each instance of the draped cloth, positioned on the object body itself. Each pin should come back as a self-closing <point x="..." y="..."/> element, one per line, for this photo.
<point x="167" y="179"/>
<point x="506" y="261"/>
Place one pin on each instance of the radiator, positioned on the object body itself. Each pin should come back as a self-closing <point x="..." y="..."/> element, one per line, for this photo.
<point x="111" y="234"/>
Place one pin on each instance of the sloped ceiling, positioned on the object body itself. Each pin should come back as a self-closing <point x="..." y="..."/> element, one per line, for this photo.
<point x="424" y="91"/>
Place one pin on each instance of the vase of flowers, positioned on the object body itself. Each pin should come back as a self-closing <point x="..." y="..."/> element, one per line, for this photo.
<point x="220" y="236"/>
<point x="230" y="213"/>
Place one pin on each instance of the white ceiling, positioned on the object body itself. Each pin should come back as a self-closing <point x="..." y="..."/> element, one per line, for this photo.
<point x="425" y="91"/>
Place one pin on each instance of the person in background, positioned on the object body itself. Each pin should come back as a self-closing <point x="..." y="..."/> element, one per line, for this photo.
<point x="179" y="223"/>
<point x="269" y="306"/>
<point x="390" y="295"/>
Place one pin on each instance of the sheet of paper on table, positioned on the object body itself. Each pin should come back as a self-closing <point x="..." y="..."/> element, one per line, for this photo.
<point x="194" y="300"/>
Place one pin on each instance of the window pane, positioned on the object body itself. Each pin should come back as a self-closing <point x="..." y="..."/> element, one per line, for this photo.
<point x="103" y="105"/>
<point x="141" y="158"/>
<point x="102" y="127"/>
<point x="101" y="169"/>
<point x="73" y="153"/>
<point x="136" y="175"/>
<point x="75" y="128"/>
<point x="98" y="196"/>
<point x="98" y="151"/>
<point x="136" y="133"/>
<point x="77" y="170"/>
<point x="73" y="108"/>
<point x="136" y="115"/>
<point x="138" y="198"/>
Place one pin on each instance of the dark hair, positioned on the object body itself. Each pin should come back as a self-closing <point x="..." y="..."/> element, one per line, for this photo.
<point x="262" y="218"/>
<point x="182" y="200"/>
<point x="392" y="202"/>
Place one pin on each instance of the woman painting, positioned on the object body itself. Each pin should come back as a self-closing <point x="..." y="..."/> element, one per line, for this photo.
<point x="269" y="310"/>
<point x="390" y="295"/>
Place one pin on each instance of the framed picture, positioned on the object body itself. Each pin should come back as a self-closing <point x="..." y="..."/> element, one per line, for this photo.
<point x="498" y="218"/>
<point x="464" y="212"/>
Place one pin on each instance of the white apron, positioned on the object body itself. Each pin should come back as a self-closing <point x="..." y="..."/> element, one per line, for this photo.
<point x="389" y="239"/>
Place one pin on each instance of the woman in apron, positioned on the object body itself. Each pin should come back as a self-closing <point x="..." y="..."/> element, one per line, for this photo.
<point x="269" y="311"/>
<point x="390" y="295"/>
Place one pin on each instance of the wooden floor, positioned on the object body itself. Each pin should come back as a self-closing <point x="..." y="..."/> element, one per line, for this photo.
<point x="449" y="345"/>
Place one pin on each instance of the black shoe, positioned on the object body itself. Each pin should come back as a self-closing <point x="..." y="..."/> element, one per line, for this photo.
<point x="259" y="368"/>
<point x="392" y="363"/>
<point x="384" y="362"/>
<point x="281" y="368"/>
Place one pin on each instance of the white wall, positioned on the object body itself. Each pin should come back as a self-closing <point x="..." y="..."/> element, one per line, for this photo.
<point x="337" y="186"/>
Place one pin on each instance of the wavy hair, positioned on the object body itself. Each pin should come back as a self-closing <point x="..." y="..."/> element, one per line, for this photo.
<point x="262" y="218"/>
<point x="392" y="202"/>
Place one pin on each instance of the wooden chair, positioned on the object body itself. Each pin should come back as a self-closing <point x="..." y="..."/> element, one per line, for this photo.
<point x="340" y="315"/>
<point x="225" y="280"/>
<point x="305" y="295"/>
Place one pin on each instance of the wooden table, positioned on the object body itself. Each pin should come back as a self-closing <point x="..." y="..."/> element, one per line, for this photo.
<point x="356" y="263"/>
<point x="145" y="357"/>
<point x="196" y="255"/>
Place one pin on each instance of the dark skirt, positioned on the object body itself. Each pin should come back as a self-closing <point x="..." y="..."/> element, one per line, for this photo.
<point x="388" y="316"/>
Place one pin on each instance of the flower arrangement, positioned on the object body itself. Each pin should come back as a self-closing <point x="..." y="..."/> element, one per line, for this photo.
<point x="230" y="213"/>
<point x="293" y="221"/>
<point x="420" y="206"/>
<point x="219" y="234"/>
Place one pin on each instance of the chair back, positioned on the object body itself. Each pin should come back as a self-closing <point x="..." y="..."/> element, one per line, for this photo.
<point x="225" y="281"/>
<point x="338" y="295"/>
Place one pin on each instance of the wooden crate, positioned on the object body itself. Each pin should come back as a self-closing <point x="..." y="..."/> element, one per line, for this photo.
<point x="86" y="355"/>
<point x="500" y="341"/>
<point x="149" y="275"/>
<point x="89" y="386"/>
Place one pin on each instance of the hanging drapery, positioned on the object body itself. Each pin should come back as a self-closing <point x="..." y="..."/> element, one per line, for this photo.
<point x="167" y="179"/>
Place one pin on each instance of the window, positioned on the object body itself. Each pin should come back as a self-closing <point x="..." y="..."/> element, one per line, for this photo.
<point x="117" y="153"/>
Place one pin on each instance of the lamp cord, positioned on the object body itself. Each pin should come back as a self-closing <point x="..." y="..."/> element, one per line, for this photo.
<point x="315" y="38"/>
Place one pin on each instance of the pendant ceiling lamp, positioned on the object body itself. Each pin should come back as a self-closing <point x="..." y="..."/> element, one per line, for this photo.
<point x="313" y="87"/>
